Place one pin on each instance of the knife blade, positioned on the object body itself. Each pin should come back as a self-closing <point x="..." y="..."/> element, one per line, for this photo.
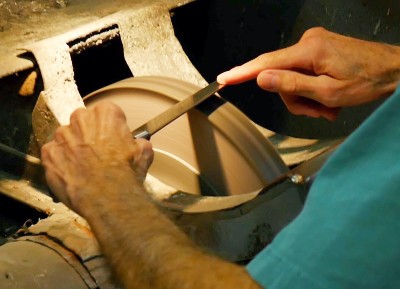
<point x="155" y="124"/>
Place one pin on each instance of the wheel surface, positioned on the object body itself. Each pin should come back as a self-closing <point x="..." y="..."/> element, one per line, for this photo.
<point x="215" y="151"/>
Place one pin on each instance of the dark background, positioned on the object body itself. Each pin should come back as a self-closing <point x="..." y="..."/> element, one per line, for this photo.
<point x="220" y="34"/>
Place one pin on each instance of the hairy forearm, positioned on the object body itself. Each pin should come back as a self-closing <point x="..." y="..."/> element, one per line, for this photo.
<point x="389" y="60"/>
<point x="147" y="250"/>
<point x="96" y="168"/>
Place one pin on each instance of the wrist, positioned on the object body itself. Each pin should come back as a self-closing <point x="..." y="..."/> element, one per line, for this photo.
<point x="105" y="191"/>
<point x="391" y="74"/>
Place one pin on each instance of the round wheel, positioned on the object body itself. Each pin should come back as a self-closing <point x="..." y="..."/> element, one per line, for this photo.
<point x="212" y="150"/>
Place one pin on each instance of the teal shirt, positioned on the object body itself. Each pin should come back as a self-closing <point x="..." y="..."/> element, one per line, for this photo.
<point x="348" y="233"/>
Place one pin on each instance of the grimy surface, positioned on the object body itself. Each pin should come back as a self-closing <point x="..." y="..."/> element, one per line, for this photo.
<point x="23" y="22"/>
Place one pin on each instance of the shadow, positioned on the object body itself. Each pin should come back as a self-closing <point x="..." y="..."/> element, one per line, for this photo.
<point x="14" y="215"/>
<point x="96" y="66"/>
<point x="207" y="151"/>
<point x="16" y="109"/>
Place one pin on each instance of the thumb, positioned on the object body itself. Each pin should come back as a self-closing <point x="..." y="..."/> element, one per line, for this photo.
<point x="302" y="94"/>
<point x="144" y="158"/>
<point x="317" y="88"/>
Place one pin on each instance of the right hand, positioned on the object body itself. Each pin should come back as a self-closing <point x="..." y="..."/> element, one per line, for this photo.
<point x="94" y="152"/>
<point x="323" y="72"/>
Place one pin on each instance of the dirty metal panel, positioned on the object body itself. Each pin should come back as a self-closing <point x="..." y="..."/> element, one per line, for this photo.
<point x="26" y="264"/>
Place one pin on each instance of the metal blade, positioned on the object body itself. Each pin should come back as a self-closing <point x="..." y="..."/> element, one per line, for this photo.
<point x="175" y="111"/>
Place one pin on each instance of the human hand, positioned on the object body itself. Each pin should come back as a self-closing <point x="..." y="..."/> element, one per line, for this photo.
<point x="323" y="72"/>
<point x="95" y="167"/>
<point x="96" y="150"/>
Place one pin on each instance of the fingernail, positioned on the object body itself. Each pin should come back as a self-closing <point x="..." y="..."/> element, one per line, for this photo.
<point x="267" y="80"/>
<point x="221" y="77"/>
<point x="224" y="77"/>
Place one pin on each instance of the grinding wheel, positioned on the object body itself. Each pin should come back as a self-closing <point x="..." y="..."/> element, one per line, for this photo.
<point x="212" y="150"/>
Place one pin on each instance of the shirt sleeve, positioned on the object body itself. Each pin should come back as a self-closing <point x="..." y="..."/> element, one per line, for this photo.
<point x="348" y="233"/>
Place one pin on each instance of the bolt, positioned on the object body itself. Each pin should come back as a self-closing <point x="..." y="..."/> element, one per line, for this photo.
<point x="297" y="179"/>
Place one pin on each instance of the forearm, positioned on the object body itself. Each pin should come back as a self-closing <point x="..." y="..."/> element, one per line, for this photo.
<point x="147" y="250"/>
<point x="96" y="168"/>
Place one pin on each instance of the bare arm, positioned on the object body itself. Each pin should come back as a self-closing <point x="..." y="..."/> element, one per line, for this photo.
<point x="147" y="250"/>
<point x="95" y="167"/>
<point x="323" y="72"/>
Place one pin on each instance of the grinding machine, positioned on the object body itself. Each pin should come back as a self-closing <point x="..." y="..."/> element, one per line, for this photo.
<point x="229" y="182"/>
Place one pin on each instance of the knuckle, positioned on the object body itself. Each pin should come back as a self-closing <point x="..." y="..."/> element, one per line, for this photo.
<point x="290" y="84"/>
<point x="315" y="44"/>
<point x="107" y="105"/>
<point x="44" y="150"/>
<point x="59" y="133"/>
<point x="77" y="113"/>
<point x="110" y="108"/>
<point x="315" y="32"/>
<point x="315" y="41"/>
<point x="330" y="92"/>
<point x="262" y="59"/>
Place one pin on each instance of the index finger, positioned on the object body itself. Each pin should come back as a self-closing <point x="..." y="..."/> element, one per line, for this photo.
<point x="293" y="57"/>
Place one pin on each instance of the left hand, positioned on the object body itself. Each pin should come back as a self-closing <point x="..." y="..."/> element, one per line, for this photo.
<point x="95" y="166"/>
<point x="95" y="150"/>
